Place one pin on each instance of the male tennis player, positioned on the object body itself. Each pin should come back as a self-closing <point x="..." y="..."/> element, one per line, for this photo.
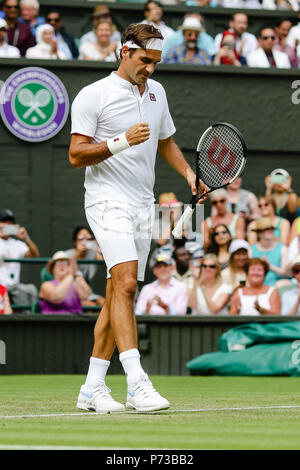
<point x="118" y="124"/>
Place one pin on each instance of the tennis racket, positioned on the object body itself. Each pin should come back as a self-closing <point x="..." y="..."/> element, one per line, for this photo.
<point x="220" y="158"/>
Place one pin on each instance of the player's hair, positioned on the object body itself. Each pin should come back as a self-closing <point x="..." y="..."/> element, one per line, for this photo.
<point x="140" y="33"/>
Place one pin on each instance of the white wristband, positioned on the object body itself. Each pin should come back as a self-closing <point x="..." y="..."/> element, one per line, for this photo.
<point x="118" y="143"/>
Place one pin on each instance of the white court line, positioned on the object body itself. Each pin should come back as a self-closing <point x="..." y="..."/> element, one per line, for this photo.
<point x="198" y="410"/>
<point x="38" y="447"/>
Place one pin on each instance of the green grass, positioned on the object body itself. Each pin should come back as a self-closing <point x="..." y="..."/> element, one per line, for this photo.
<point x="211" y="429"/>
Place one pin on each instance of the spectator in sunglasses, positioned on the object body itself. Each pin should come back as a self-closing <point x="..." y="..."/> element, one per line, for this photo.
<point x="256" y="298"/>
<point x="220" y="215"/>
<point x="235" y="275"/>
<point x="18" y="34"/>
<point x="290" y="299"/>
<point x="267" y="208"/>
<point x="266" y="55"/>
<point x="220" y="242"/>
<point x="209" y="295"/>
<point x="64" y="40"/>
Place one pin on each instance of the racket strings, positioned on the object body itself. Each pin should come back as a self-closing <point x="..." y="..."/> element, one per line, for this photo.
<point x="220" y="156"/>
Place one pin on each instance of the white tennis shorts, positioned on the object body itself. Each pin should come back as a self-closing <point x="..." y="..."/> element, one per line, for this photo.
<point x="123" y="232"/>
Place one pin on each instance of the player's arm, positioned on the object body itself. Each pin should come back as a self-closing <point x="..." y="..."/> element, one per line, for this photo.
<point x="84" y="152"/>
<point x="172" y="154"/>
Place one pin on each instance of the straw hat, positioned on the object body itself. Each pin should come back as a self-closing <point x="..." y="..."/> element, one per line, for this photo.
<point x="57" y="256"/>
<point x="264" y="223"/>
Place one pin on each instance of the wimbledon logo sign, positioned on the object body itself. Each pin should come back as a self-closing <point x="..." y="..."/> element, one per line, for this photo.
<point x="34" y="104"/>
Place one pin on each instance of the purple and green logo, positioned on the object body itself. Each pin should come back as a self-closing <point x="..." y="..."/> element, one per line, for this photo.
<point x="34" y="104"/>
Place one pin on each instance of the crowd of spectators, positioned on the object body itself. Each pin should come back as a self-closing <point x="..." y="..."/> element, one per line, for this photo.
<point x="243" y="259"/>
<point x="25" y="33"/>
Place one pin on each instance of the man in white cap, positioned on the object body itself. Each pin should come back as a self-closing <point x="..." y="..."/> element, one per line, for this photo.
<point x="189" y="52"/>
<point x="6" y="50"/>
<point x="118" y="124"/>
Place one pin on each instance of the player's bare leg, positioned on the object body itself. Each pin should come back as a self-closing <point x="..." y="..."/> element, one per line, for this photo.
<point x="141" y="395"/>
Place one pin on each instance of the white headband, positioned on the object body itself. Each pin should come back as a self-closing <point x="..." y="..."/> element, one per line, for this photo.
<point x="152" y="43"/>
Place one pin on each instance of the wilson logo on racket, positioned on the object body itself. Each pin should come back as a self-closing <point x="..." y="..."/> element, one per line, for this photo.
<point x="217" y="154"/>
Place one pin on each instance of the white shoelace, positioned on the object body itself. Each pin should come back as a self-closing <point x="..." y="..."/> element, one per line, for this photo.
<point x="145" y="389"/>
<point x="104" y="392"/>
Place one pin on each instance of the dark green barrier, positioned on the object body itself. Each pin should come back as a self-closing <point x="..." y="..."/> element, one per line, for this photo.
<point x="62" y="344"/>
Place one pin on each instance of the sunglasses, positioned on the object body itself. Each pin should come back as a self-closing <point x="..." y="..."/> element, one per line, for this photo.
<point x="55" y="20"/>
<point x="12" y="7"/>
<point x="222" y="232"/>
<point x="266" y="204"/>
<point x="221" y="201"/>
<point x="211" y="266"/>
<point x="296" y="271"/>
<point x="268" y="37"/>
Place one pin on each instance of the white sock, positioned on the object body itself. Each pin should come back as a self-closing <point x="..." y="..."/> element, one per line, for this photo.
<point x="131" y="363"/>
<point x="97" y="372"/>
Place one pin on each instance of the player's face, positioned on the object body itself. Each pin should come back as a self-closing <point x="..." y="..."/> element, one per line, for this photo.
<point x="140" y="65"/>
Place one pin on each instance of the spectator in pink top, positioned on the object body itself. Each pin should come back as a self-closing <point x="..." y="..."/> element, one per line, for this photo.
<point x="66" y="292"/>
<point x="166" y="295"/>
<point x="282" y="30"/>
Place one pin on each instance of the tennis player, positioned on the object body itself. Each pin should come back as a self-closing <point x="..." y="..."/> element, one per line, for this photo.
<point x="118" y="124"/>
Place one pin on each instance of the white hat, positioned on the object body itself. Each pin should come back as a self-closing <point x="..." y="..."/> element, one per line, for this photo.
<point x="280" y="171"/>
<point x="3" y="23"/>
<point x="191" y="23"/>
<point x="57" y="256"/>
<point x="238" y="244"/>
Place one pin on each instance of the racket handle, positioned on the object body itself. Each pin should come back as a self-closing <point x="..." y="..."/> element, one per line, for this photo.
<point x="178" y="229"/>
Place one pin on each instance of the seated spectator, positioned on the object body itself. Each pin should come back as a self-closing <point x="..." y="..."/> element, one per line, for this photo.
<point x="86" y="248"/>
<point x="220" y="242"/>
<point x="290" y="300"/>
<point x="280" y="5"/>
<point x="188" y="53"/>
<point x="183" y="271"/>
<point x="220" y="215"/>
<point x="209" y="295"/>
<point x="153" y="13"/>
<point x="279" y="186"/>
<point x="103" y="48"/>
<point x="18" y="34"/>
<point x="166" y="295"/>
<point x="282" y="29"/>
<point x="101" y="12"/>
<point x="47" y="46"/>
<point x="245" y="42"/>
<point x="266" y="55"/>
<point x="6" y="51"/>
<point x="65" y="41"/>
<point x="227" y="54"/>
<point x="235" y="274"/>
<point x="205" y="42"/>
<point x="256" y="298"/>
<point x="15" y="243"/>
<point x="293" y="38"/>
<point x="241" y="201"/>
<point x="267" y="208"/>
<point x="5" y="307"/>
<point x="270" y="249"/>
<point x="29" y="14"/>
<point x="66" y="292"/>
<point x="254" y="4"/>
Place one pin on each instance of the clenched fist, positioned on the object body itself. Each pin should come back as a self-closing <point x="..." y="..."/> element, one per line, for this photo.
<point x="138" y="133"/>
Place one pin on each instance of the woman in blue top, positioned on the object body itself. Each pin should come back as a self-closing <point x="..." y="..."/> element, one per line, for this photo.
<point x="269" y="249"/>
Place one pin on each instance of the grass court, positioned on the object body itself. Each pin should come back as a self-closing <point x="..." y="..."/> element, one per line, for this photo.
<point x="262" y="413"/>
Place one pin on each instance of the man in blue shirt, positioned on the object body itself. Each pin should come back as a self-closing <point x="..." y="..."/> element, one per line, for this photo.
<point x="188" y="52"/>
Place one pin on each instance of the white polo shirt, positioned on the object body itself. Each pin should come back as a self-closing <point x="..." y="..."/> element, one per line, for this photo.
<point x="107" y="108"/>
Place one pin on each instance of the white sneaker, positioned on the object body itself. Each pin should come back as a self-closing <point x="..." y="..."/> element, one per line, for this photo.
<point x="142" y="396"/>
<point x="99" y="399"/>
